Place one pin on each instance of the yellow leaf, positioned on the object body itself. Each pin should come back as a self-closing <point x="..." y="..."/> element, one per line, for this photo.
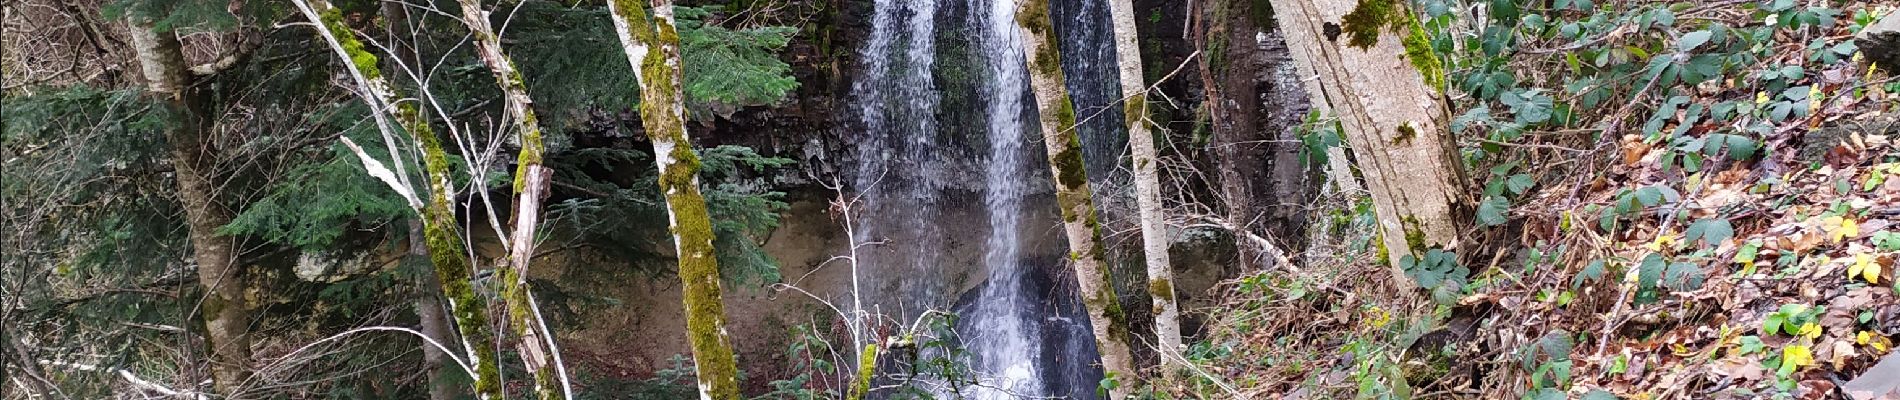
<point x="1662" y="241"/>
<point x="1797" y="356"/>
<point x="1810" y="330"/>
<point x="1874" y="340"/>
<point x="1840" y="228"/>
<point x="1864" y="267"/>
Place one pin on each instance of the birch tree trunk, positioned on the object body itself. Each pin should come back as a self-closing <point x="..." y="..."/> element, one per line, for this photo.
<point x="1109" y="322"/>
<point x="1375" y="69"/>
<point x="1141" y="142"/>
<point x="446" y="251"/>
<point x="533" y="340"/>
<point x="652" y="47"/>
<point x="226" y="314"/>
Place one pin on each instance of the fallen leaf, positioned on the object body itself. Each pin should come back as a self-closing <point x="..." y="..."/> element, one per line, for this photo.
<point x="1794" y="357"/>
<point x="1843" y="353"/>
<point x="1876" y="341"/>
<point x="1840" y="228"/>
<point x="1864" y="267"/>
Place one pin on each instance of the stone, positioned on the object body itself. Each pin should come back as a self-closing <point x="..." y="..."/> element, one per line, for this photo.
<point x="1882" y="382"/>
<point x="1880" y="43"/>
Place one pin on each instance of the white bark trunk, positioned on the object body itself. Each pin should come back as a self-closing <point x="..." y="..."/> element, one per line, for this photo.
<point x="447" y="252"/>
<point x="1392" y="114"/>
<point x="1154" y="234"/>
<point x="533" y="341"/>
<point x="1084" y="232"/>
<point x="652" y="47"/>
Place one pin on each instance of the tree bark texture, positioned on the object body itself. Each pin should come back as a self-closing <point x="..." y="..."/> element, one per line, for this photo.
<point x="434" y="324"/>
<point x="430" y="314"/>
<point x="533" y="341"/>
<point x="1141" y="144"/>
<point x="223" y="308"/>
<point x="1256" y="104"/>
<point x="653" y="48"/>
<point x="1376" y="71"/>
<point x="1084" y="231"/>
<point x="440" y="229"/>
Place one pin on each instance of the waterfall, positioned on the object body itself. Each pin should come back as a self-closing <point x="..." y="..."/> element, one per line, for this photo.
<point x="1009" y="343"/>
<point x="1026" y="334"/>
<point x="896" y="105"/>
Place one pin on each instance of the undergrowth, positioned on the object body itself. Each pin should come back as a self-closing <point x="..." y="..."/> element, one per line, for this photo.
<point x="1679" y="200"/>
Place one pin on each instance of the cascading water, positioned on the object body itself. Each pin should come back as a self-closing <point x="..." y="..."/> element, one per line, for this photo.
<point x="1025" y="333"/>
<point x="1009" y="343"/>
<point x="897" y="103"/>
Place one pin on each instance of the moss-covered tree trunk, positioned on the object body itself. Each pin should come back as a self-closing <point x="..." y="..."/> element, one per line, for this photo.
<point x="653" y="47"/>
<point x="431" y="317"/>
<point x="224" y="310"/>
<point x="532" y="339"/>
<point x="1141" y="142"/>
<point x="440" y="229"/>
<point x="1084" y="232"/>
<point x="1377" y="72"/>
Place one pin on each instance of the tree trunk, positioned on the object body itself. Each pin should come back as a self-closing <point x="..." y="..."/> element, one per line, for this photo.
<point x="652" y="46"/>
<point x="1141" y="142"/>
<point x="440" y="229"/>
<point x="1084" y="232"/>
<point x="533" y="341"/>
<point x="428" y="301"/>
<point x="1375" y="68"/>
<point x="226" y="316"/>
<point x="1256" y="103"/>
<point x="433" y="323"/>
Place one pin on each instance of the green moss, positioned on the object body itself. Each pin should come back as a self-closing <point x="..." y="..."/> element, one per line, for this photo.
<point x="1367" y="18"/>
<point x="360" y="57"/>
<point x="446" y="250"/>
<point x="867" y="366"/>
<point x="692" y="227"/>
<point x="1418" y="50"/>
<point x="1134" y="110"/>
<point x="1161" y="288"/>
<point x="1070" y="171"/>
<point x="635" y="16"/>
<point x="1033" y="16"/>
<point x="1406" y="134"/>
<point x="1414" y="237"/>
<point x="514" y="292"/>
<point x="1384" y="255"/>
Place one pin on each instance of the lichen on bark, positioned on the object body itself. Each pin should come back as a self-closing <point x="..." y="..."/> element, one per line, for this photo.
<point x="652" y="47"/>
<point x="1080" y="226"/>
<point x="447" y="252"/>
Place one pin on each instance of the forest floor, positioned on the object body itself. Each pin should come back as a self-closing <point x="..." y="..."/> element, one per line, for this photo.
<point x="1797" y="295"/>
<point x="1629" y="271"/>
